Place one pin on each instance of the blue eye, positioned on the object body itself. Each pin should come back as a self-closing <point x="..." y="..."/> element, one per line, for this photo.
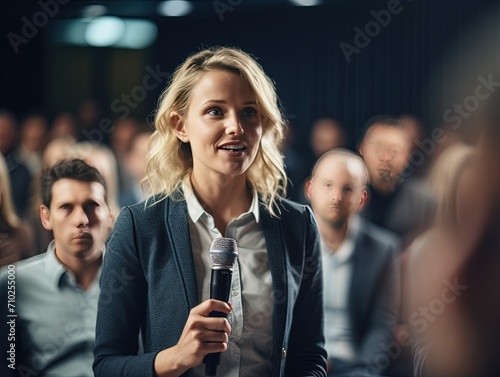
<point x="215" y="112"/>
<point x="249" y="112"/>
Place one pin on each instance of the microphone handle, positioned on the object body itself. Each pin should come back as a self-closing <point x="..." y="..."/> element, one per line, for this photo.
<point x="220" y="287"/>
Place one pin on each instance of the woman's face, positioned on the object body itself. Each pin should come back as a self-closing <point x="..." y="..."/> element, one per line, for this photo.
<point x="223" y="124"/>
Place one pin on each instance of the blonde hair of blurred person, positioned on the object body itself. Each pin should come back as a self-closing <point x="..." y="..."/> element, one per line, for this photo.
<point x="440" y="248"/>
<point x="170" y="160"/>
<point x="15" y="238"/>
<point x="444" y="180"/>
<point x="102" y="158"/>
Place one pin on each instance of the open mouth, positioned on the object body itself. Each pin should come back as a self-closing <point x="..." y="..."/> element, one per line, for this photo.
<point x="233" y="149"/>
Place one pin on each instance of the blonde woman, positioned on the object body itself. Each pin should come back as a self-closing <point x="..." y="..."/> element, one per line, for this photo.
<point x="15" y="238"/>
<point x="214" y="170"/>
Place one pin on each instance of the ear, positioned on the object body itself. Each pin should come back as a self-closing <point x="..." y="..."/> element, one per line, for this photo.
<point x="360" y="149"/>
<point x="362" y="201"/>
<point x="308" y="189"/>
<point x="45" y="217"/>
<point x="179" y="127"/>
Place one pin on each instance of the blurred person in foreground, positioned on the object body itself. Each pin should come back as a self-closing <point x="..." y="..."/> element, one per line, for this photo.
<point x="404" y="206"/>
<point x="56" y="292"/>
<point x="214" y="170"/>
<point x="463" y="337"/>
<point x="451" y="179"/>
<point x="360" y="268"/>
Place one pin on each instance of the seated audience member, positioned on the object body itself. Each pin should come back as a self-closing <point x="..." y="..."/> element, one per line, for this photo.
<point x="404" y="206"/>
<point x="15" y="238"/>
<point x="326" y="133"/>
<point x="103" y="159"/>
<point x="56" y="292"/>
<point x="136" y="158"/>
<point x="20" y="178"/>
<point x="64" y="126"/>
<point x="31" y="138"/>
<point x="360" y="268"/>
<point x="55" y="149"/>
<point x="120" y="140"/>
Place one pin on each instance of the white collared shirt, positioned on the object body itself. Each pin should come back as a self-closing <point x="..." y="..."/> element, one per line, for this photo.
<point x="250" y="342"/>
<point x="337" y="273"/>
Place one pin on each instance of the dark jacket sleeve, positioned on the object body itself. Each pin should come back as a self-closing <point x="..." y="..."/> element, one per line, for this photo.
<point x="306" y="354"/>
<point x="385" y="313"/>
<point x="121" y="307"/>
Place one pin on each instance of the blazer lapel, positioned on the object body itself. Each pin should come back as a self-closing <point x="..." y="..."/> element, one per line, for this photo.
<point x="177" y="226"/>
<point x="278" y="267"/>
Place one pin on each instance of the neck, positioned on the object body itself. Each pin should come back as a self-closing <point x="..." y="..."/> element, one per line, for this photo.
<point x="333" y="234"/>
<point x="386" y="187"/>
<point x="224" y="199"/>
<point x="85" y="271"/>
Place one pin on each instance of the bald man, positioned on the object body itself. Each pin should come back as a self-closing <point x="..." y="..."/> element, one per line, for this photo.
<point x="360" y="268"/>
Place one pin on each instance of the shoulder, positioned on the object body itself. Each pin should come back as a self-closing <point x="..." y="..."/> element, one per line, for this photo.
<point x="382" y="237"/>
<point x="27" y="267"/>
<point x="417" y="189"/>
<point x="144" y="212"/>
<point x="290" y="208"/>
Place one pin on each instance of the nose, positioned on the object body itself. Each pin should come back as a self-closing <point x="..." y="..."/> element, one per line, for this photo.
<point x="386" y="154"/>
<point x="233" y="125"/>
<point x="336" y="195"/>
<point x="80" y="217"/>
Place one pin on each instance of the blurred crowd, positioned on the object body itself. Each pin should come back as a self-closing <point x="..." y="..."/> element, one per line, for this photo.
<point x="34" y="142"/>
<point x="437" y="198"/>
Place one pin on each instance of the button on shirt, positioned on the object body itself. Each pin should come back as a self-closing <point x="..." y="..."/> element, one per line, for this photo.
<point x="337" y="272"/>
<point x="56" y="319"/>
<point x="250" y="342"/>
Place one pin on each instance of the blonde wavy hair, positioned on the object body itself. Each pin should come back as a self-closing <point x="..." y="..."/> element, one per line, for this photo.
<point x="7" y="211"/>
<point x="170" y="161"/>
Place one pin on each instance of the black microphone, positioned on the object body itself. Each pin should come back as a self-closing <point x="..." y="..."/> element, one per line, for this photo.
<point x="223" y="254"/>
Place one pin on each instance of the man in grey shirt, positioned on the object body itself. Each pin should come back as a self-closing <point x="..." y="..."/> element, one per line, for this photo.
<point x="49" y="302"/>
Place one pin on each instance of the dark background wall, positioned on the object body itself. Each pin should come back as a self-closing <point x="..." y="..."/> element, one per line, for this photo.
<point x="403" y="69"/>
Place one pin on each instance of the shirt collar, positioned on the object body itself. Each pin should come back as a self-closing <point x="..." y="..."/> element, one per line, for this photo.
<point x="346" y="249"/>
<point x="53" y="266"/>
<point x="196" y="211"/>
<point x="58" y="273"/>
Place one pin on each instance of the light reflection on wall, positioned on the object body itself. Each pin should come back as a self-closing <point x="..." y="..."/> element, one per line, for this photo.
<point x="105" y="31"/>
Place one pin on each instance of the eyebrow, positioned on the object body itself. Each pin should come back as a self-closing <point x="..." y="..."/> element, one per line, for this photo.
<point x="222" y="101"/>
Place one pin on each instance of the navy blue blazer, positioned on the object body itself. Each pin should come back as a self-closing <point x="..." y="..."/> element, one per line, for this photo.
<point x="148" y="283"/>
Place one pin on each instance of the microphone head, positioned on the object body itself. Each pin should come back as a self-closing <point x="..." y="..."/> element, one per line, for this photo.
<point x="223" y="253"/>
